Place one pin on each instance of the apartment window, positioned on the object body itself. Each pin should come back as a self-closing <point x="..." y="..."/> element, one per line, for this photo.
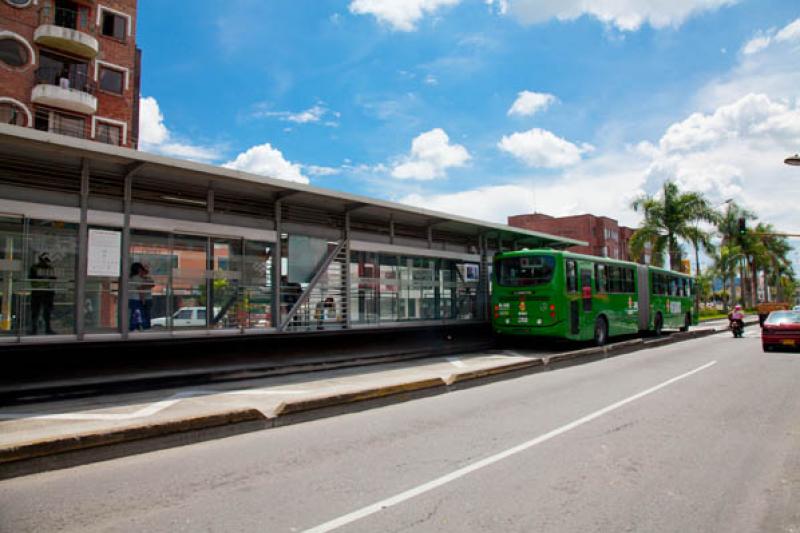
<point x="13" y="53"/>
<point x="60" y="123"/>
<point x="108" y="133"/>
<point x="12" y="114"/>
<point x="114" y="25"/>
<point x="112" y="80"/>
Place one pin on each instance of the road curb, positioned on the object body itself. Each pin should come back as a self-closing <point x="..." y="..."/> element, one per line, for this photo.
<point x="300" y="406"/>
<point x="470" y="375"/>
<point x="36" y="456"/>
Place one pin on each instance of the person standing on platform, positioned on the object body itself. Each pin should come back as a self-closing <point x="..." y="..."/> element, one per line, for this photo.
<point x="42" y="294"/>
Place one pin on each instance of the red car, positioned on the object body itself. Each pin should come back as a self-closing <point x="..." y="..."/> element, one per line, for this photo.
<point x="781" y="330"/>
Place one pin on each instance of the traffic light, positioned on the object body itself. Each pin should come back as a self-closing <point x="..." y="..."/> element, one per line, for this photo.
<point x="742" y="226"/>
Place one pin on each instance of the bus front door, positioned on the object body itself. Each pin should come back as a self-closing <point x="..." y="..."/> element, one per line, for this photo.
<point x="586" y="289"/>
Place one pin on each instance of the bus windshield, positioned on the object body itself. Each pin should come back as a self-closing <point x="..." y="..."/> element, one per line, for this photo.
<point x="524" y="271"/>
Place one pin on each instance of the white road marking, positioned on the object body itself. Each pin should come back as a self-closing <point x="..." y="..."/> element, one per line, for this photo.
<point x="146" y="411"/>
<point x="438" y="482"/>
<point x="455" y="361"/>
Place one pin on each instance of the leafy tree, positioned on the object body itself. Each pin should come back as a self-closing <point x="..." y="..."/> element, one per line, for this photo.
<point x="668" y="219"/>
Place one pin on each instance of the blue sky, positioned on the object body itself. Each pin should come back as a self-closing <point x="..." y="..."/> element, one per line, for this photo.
<point x="485" y="108"/>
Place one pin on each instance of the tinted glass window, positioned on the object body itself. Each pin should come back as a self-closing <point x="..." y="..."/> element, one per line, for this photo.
<point x="114" y="25"/>
<point x="184" y="314"/>
<point x="108" y="133"/>
<point x="201" y="314"/>
<point x="601" y="284"/>
<point x="111" y="80"/>
<point x="12" y="114"/>
<point x="572" y="277"/>
<point x="523" y="271"/>
<point x="13" y="52"/>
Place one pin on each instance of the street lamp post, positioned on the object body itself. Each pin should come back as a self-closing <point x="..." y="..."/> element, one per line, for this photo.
<point x="793" y="160"/>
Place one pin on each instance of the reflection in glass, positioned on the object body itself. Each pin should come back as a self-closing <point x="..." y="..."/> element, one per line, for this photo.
<point x="256" y="304"/>
<point x="51" y="260"/>
<point x="11" y="274"/>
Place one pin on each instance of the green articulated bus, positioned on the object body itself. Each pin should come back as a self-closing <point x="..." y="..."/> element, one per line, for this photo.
<point x="552" y="293"/>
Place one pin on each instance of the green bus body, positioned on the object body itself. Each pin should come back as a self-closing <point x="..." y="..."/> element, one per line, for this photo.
<point x="553" y="293"/>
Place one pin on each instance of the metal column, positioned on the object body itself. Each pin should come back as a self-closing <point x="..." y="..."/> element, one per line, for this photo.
<point x="483" y="243"/>
<point x="83" y="251"/>
<point x="347" y="300"/>
<point x="276" y="269"/>
<point x="125" y="272"/>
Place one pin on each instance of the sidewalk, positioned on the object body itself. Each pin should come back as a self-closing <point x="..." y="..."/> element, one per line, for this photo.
<point x="43" y="436"/>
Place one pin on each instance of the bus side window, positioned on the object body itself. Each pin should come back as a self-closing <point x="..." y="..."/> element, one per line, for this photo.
<point x="629" y="280"/>
<point x="600" y="280"/>
<point x="572" y="277"/>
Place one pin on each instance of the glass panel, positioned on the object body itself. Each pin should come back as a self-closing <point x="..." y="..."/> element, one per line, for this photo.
<point x="467" y="290"/>
<point x="12" y="114"/>
<point x="525" y="271"/>
<point x="256" y="310"/>
<point x="111" y="80"/>
<point x="11" y="274"/>
<point x="13" y="52"/>
<point x="152" y="264"/>
<point x="109" y="134"/>
<point x="227" y="274"/>
<point x="364" y="280"/>
<point x="389" y="289"/>
<point x="51" y="260"/>
<point x="189" y="279"/>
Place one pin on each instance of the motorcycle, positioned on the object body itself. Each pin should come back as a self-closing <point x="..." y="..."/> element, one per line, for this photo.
<point x="737" y="328"/>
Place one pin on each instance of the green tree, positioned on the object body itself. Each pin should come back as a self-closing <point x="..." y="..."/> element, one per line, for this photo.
<point x="668" y="219"/>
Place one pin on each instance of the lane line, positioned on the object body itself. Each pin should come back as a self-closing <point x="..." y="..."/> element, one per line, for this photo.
<point x="438" y="482"/>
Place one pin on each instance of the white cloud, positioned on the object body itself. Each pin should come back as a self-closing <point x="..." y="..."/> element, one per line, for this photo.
<point x="500" y="6"/>
<point x="604" y="187"/>
<point x="315" y="170"/>
<point x="767" y="65"/>
<point x="311" y="115"/>
<point x="400" y="15"/>
<point x="267" y="161"/>
<point x="763" y="39"/>
<point x="155" y="137"/>
<point x="431" y="155"/>
<point x="540" y="148"/>
<point x="625" y="15"/>
<point x="529" y="103"/>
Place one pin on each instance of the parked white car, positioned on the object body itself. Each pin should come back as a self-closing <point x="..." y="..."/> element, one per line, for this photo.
<point x="185" y="317"/>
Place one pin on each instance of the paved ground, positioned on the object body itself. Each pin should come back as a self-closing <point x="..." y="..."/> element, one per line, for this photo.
<point x="65" y="418"/>
<point x="695" y="436"/>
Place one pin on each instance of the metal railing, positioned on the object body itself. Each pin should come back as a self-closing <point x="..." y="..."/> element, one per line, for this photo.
<point x="65" y="79"/>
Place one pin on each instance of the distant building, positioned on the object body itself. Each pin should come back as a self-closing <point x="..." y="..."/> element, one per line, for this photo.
<point x="71" y="67"/>
<point x="605" y="236"/>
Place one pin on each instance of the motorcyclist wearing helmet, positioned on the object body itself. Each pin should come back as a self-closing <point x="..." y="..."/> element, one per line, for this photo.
<point x="736" y="316"/>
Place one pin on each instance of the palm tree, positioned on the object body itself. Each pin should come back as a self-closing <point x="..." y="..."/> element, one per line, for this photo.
<point x="668" y="219"/>
<point x="728" y="227"/>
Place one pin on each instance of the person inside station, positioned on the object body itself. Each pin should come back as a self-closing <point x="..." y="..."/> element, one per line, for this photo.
<point x="43" y="294"/>
<point x="325" y="311"/>
<point x="140" y="297"/>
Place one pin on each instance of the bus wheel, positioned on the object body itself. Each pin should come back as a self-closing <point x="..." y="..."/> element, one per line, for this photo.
<point x="600" y="331"/>
<point x="687" y="321"/>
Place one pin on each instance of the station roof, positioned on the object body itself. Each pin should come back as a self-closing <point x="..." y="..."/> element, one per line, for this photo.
<point x="186" y="181"/>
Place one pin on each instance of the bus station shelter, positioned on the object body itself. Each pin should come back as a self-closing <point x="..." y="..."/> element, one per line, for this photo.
<point x="101" y="243"/>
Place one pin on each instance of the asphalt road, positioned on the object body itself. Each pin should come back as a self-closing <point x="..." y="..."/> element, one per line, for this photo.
<point x="702" y="435"/>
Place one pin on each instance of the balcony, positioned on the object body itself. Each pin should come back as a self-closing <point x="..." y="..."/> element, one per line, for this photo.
<point x="66" y="30"/>
<point x="73" y="92"/>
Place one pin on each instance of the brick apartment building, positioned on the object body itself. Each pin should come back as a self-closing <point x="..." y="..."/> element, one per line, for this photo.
<point x="605" y="236"/>
<point x="71" y="67"/>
